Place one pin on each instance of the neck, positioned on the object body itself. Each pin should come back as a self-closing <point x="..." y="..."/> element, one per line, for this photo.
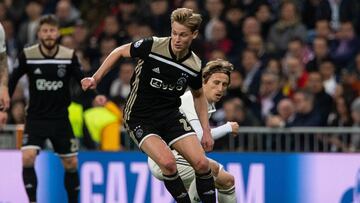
<point x="48" y="52"/>
<point x="180" y="54"/>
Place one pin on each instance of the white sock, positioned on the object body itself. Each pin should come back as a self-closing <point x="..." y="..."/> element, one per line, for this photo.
<point x="227" y="196"/>
<point x="194" y="197"/>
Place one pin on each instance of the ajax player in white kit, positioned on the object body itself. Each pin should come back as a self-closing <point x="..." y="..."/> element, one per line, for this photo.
<point x="216" y="78"/>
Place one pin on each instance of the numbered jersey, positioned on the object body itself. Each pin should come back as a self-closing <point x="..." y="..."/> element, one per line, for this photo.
<point x="160" y="79"/>
<point x="48" y="80"/>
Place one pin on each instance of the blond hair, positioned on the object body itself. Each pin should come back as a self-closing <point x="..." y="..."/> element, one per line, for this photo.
<point x="186" y="17"/>
<point x="217" y="66"/>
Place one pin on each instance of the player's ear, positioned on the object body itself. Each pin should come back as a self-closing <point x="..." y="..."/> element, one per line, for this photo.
<point x="195" y="34"/>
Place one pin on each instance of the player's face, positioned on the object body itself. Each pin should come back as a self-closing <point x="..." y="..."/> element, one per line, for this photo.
<point x="48" y="35"/>
<point x="216" y="86"/>
<point x="181" y="37"/>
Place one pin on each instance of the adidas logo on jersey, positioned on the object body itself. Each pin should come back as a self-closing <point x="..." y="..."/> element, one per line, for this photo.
<point x="182" y="195"/>
<point x="210" y="192"/>
<point x="37" y="71"/>
<point x="156" y="70"/>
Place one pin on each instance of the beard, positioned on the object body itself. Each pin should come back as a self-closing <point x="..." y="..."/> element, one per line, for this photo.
<point x="48" y="43"/>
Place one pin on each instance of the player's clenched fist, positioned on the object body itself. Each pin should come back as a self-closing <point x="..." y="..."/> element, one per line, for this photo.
<point x="88" y="83"/>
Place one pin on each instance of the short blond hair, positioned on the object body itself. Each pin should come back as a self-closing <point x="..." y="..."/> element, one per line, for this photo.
<point x="186" y="17"/>
<point x="217" y="66"/>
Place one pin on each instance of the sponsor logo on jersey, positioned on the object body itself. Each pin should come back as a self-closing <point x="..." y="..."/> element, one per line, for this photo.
<point x="37" y="71"/>
<point x="138" y="43"/>
<point x="44" y="85"/>
<point x="159" y="84"/>
<point x="156" y="70"/>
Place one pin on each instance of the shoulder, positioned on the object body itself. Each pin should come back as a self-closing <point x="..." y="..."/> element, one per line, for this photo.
<point x="65" y="53"/>
<point x="33" y="51"/>
<point x="193" y="62"/>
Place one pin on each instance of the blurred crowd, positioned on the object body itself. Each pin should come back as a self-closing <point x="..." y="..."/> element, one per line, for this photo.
<point x="297" y="63"/>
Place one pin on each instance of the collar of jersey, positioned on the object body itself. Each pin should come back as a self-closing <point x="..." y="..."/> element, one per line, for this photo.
<point x="174" y="57"/>
<point x="46" y="56"/>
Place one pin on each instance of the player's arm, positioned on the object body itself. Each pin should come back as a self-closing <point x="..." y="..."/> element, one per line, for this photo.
<point x="4" y="78"/>
<point x="4" y="75"/>
<point x="16" y="74"/>
<point x="200" y="105"/>
<point x="114" y="56"/>
<point x="216" y="133"/>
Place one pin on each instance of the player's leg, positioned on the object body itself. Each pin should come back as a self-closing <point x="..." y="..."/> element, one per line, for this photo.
<point x="33" y="141"/>
<point x="189" y="147"/>
<point x="224" y="183"/>
<point x="160" y="153"/>
<point x="66" y="146"/>
<point x="185" y="170"/>
<point x="28" y="172"/>
<point x="71" y="178"/>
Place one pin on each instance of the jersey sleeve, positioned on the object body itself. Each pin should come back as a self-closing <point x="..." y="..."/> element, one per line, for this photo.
<point x="75" y="68"/>
<point x="196" y="82"/>
<point x="187" y="106"/>
<point x="2" y="39"/>
<point x="18" y="71"/>
<point x="78" y="75"/>
<point x="141" y="48"/>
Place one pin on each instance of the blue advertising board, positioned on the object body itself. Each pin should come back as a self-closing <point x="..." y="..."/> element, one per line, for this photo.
<point x="124" y="177"/>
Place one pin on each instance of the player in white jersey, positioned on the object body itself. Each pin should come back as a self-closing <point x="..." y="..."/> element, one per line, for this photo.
<point x="216" y="78"/>
<point x="4" y="94"/>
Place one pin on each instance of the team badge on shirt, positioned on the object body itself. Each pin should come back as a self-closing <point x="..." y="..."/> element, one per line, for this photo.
<point x="61" y="72"/>
<point x="138" y="132"/>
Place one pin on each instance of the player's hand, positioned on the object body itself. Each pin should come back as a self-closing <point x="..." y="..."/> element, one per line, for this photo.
<point x="88" y="83"/>
<point x="4" y="98"/>
<point x="207" y="141"/>
<point x="234" y="128"/>
<point x="3" y="119"/>
<point x="99" y="100"/>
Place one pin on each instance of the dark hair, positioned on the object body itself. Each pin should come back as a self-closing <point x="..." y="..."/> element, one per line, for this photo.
<point x="49" y="19"/>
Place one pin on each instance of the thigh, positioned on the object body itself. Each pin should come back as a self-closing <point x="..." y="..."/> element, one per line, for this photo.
<point x="189" y="147"/>
<point x="35" y="134"/>
<point x="63" y="140"/>
<point x="175" y="127"/>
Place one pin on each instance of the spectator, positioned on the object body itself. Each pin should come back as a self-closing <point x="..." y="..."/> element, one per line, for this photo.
<point x="121" y="85"/>
<point x="217" y="38"/>
<point x="252" y="68"/>
<point x="296" y="75"/>
<point x="321" y="53"/>
<point x="345" y="45"/>
<point x="323" y="102"/>
<point x="305" y="113"/>
<point x="265" y="18"/>
<point x="27" y="31"/>
<point x="355" y="114"/>
<point x="327" y="71"/>
<point x="286" y="28"/>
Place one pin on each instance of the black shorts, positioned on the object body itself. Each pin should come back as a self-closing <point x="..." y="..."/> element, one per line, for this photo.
<point x="170" y="128"/>
<point x="59" y="132"/>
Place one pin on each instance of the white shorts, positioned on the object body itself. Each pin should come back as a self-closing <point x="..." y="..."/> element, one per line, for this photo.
<point x="186" y="172"/>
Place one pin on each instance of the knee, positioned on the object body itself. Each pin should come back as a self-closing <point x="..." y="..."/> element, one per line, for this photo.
<point x="201" y="165"/>
<point x="230" y="181"/>
<point x="28" y="159"/>
<point x="168" y="165"/>
<point x="70" y="163"/>
<point x="227" y="181"/>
